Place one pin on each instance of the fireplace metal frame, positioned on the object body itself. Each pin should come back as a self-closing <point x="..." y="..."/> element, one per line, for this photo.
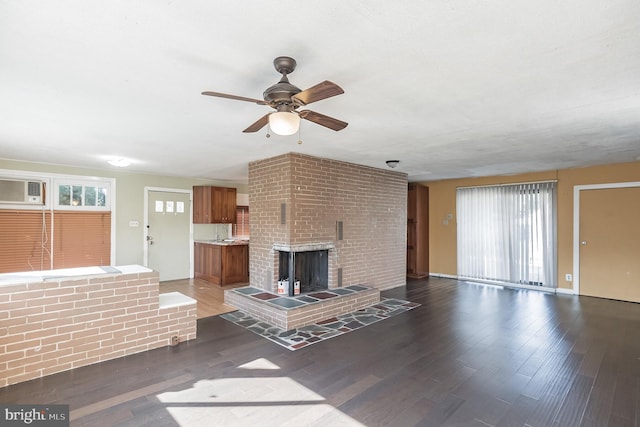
<point x="311" y="268"/>
<point x="292" y="250"/>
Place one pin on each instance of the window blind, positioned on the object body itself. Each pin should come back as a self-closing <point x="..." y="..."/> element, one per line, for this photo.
<point x="81" y="239"/>
<point x="241" y="227"/>
<point x="25" y="241"/>
<point x="507" y="233"/>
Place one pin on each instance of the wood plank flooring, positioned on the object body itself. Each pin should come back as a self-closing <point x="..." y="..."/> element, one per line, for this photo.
<point x="210" y="297"/>
<point x="470" y="355"/>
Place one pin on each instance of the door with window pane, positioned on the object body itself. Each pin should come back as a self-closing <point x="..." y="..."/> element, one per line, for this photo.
<point x="169" y="251"/>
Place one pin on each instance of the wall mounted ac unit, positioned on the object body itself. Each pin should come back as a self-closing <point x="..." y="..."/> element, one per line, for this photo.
<point x="21" y="191"/>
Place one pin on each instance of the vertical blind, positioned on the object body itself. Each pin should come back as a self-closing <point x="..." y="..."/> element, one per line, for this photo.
<point x="507" y="233"/>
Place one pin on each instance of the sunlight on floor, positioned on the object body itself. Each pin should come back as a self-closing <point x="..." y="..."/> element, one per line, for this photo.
<point x="264" y="401"/>
<point x="259" y="364"/>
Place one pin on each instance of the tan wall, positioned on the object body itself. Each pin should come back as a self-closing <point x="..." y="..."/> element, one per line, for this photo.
<point x="442" y="201"/>
<point x="60" y="324"/>
<point x="371" y="203"/>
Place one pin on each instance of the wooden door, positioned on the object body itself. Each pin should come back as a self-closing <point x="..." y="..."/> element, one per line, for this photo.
<point x="417" y="231"/>
<point x="610" y="243"/>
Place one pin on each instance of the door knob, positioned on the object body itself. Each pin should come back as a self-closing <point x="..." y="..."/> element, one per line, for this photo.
<point x="583" y="243"/>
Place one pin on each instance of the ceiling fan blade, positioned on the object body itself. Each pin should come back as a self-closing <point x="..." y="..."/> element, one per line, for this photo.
<point x="259" y="124"/>
<point x="322" y="120"/>
<point x="323" y="90"/>
<point x="236" y="97"/>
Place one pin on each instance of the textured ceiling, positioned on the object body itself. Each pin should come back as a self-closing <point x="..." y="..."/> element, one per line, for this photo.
<point x="449" y="88"/>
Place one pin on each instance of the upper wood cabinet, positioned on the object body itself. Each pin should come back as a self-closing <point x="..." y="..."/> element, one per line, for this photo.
<point x="201" y="205"/>
<point x="214" y="205"/>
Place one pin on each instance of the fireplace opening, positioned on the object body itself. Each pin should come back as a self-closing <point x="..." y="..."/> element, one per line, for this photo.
<point x="310" y="268"/>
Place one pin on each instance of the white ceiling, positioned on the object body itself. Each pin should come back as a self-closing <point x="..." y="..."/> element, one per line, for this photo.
<point x="451" y="88"/>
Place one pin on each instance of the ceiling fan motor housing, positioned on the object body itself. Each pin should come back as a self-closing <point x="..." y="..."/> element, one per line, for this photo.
<point x="281" y="92"/>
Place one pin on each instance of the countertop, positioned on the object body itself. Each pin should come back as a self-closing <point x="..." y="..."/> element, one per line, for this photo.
<point x="227" y="242"/>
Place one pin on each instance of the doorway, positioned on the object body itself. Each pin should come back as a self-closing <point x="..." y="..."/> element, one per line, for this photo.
<point x="606" y="241"/>
<point x="168" y="245"/>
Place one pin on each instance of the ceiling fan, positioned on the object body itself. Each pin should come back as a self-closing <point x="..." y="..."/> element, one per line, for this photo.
<point x="286" y="98"/>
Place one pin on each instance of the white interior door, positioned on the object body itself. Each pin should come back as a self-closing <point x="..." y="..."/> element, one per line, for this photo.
<point x="168" y="234"/>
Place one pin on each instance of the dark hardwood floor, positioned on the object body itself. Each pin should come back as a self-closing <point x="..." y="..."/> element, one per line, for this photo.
<point x="469" y="356"/>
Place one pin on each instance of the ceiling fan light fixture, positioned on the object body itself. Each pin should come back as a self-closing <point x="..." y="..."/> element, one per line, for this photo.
<point x="284" y="122"/>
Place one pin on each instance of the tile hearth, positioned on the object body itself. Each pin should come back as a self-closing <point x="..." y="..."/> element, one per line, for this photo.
<point x="287" y="312"/>
<point x="295" y="339"/>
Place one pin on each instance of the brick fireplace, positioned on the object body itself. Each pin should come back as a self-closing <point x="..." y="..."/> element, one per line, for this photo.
<point x="355" y="215"/>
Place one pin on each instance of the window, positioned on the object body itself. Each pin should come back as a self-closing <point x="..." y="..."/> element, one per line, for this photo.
<point x="76" y="232"/>
<point x="241" y="227"/>
<point x="507" y="233"/>
<point x="82" y="195"/>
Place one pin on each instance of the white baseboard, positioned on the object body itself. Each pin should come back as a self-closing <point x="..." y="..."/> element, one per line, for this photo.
<point x="446" y="276"/>
<point x="562" y="291"/>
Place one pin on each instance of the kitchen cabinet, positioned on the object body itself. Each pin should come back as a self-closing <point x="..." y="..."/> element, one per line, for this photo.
<point x="235" y="264"/>
<point x="221" y="264"/>
<point x="214" y="205"/>
<point x="417" y="231"/>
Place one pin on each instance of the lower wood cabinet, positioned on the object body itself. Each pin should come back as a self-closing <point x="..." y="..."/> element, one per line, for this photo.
<point x="221" y="264"/>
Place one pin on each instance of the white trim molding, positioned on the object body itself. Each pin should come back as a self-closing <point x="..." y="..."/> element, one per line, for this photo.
<point x="446" y="276"/>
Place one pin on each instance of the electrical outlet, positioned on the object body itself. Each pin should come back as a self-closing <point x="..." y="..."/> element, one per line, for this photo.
<point x="568" y="277"/>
